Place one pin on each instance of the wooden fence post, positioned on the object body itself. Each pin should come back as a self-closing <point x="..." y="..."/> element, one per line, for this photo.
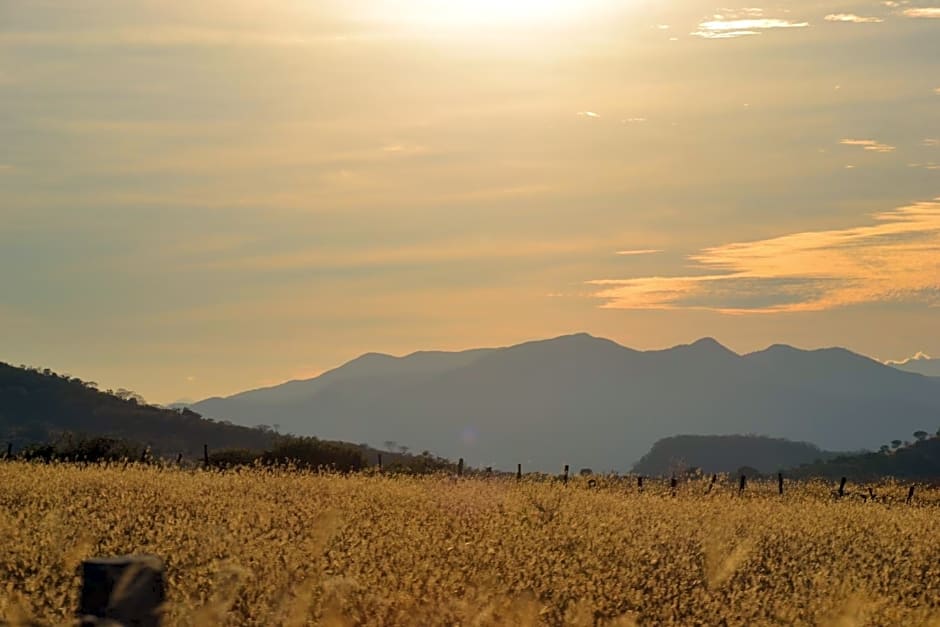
<point x="673" y="483"/>
<point x="910" y="495"/>
<point x="842" y="487"/>
<point x="780" y="483"/>
<point x="711" y="484"/>
<point x="639" y="483"/>
<point x="179" y="459"/>
<point x="460" y="467"/>
<point x="380" y="462"/>
<point x="742" y="484"/>
<point x="518" y="472"/>
<point x="9" y="450"/>
<point x="128" y="590"/>
<point x="205" y="455"/>
<point x="566" y="474"/>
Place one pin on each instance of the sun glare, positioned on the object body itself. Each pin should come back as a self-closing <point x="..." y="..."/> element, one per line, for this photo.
<point x="461" y="13"/>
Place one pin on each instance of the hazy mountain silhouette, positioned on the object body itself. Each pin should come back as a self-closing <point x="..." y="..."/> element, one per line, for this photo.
<point x="588" y="401"/>
<point x="919" y="363"/>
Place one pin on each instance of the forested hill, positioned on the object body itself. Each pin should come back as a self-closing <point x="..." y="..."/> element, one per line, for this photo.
<point x="727" y="453"/>
<point x="918" y="460"/>
<point x="38" y="406"/>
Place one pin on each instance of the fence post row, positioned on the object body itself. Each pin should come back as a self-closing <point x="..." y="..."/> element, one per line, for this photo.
<point x="711" y="484"/>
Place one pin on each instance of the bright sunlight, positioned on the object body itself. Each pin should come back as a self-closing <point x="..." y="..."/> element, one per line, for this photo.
<point x="463" y="13"/>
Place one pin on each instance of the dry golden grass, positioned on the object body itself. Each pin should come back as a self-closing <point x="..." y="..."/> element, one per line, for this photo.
<point x="269" y="548"/>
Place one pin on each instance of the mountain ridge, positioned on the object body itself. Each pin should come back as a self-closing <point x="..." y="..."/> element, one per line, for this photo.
<point x="587" y="400"/>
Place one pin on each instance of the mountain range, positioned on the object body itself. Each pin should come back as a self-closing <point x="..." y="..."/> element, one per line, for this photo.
<point x="919" y="363"/>
<point x="589" y="402"/>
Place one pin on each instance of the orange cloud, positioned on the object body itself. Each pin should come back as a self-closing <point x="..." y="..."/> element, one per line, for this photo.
<point x="639" y="251"/>
<point x="868" y="144"/>
<point x="922" y="12"/>
<point x="893" y="260"/>
<point x="750" y="22"/>
<point x="851" y="17"/>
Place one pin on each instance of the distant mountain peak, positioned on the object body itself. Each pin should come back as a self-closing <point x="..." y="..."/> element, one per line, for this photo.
<point x="372" y="356"/>
<point x="570" y="342"/>
<point x="708" y="342"/>
<point x="705" y="346"/>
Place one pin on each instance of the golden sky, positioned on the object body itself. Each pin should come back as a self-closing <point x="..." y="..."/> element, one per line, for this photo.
<point x="198" y="198"/>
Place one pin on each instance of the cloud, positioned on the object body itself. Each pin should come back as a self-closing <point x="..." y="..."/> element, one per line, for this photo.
<point x="851" y="17"/>
<point x="588" y="114"/>
<point x="729" y="26"/>
<point x="918" y="356"/>
<point x="922" y="12"/>
<point x="931" y="143"/>
<point x="633" y="121"/>
<point x="930" y="165"/>
<point x="937" y="91"/>
<point x="868" y="144"/>
<point x="639" y="251"/>
<point x="895" y="259"/>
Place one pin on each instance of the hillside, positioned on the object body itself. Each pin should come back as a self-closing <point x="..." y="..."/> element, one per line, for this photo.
<point x="727" y="453"/>
<point x="919" y="363"/>
<point x="919" y="460"/>
<point x="36" y="406"/>
<point x="589" y="402"/>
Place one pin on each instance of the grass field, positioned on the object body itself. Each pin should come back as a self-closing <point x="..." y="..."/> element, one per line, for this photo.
<point x="268" y="548"/>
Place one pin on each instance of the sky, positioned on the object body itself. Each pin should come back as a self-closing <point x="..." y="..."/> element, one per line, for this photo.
<point x="198" y="198"/>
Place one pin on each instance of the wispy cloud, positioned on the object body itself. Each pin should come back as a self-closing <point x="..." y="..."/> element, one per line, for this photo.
<point x="931" y="143"/>
<point x="922" y="12"/>
<point x="639" y="251"/>
<point x="930" y="165"/>
<point x="851" y="17"/>
<point x="731" y="23"/>
<point x="893" y="260"/>
<point x="589" y="114"/>
<point x="868" y="144"/>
